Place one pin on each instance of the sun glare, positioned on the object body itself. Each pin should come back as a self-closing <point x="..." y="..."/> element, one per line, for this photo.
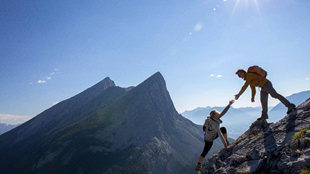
<point x="246" y="2"/>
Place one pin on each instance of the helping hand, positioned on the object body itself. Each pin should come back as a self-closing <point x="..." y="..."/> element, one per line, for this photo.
<point x="252" y="100"/>
<point x="236" y="97"/>
<point x="231" y="102"/>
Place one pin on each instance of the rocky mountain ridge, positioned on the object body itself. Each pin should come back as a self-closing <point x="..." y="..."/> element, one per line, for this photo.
<point x="59" y="115"/>
<point x="106" y="129"/>
<point x="282" y="147"/>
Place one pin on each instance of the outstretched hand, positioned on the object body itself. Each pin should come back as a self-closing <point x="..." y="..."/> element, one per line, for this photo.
<point x="231" y="102"/>
<point x="236" y="97"/>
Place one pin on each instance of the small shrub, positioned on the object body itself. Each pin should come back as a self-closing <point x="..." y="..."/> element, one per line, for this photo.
<point x="241" y="170"/>
<point x="300" y="134"/>
<point x="305" y="171"/>
<point x="257" y="135"/>
<point x="241" y="138"/>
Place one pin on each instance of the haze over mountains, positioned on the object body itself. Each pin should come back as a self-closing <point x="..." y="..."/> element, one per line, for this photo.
<point x="6" y="127"/>
<point x="276" y="113"/>
<point x="106" y="129"/>
<point x="238" y="120"/>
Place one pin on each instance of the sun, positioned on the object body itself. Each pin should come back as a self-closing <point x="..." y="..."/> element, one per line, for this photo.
<point x="245" y="1"/>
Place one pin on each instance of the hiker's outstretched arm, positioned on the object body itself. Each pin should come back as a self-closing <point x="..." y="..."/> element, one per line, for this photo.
<point x="226" y="108"/>
<point x="224" y="111"/>
<point x="246" y="84"/>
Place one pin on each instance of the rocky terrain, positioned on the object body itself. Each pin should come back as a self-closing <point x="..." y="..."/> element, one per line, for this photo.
<point x="282" y="147"/>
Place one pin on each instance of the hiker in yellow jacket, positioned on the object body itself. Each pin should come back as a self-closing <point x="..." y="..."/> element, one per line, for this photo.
<point x="252" y="79"/>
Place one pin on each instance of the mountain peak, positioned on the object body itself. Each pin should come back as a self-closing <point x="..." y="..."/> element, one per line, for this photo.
<point x="155" y="78"/>
<point x="63" y="112"/>
<point x="101" y="86"/>
<point x="107" y="81"/>
<point x="154" y="88"/>
<point x="112" y="130"/>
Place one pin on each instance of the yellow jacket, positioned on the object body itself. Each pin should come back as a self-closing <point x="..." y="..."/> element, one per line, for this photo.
<point x="252" y="79"/>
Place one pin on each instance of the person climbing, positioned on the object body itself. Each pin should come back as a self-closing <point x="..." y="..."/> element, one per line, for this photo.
<point x="212" y="131"/>
<point x="254" y="79"/>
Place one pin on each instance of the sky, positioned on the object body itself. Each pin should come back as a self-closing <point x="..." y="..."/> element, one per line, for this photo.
<point x="52" y="50"/>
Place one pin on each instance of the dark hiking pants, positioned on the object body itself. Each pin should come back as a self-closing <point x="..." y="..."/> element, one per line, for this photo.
<point x="268" y="89"/>
<point x="208" y="144"/>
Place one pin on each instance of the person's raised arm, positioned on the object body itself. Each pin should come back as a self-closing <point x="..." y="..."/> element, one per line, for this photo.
<point x="244" y="87"/>
<point x="226" y="108"/>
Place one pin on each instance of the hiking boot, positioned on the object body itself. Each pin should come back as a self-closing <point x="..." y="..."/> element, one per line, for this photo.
<point x="227" y="142"/>
<point x="291" y="108"/>
<point x="261" y="118"/>
<point x="198" y="167"/>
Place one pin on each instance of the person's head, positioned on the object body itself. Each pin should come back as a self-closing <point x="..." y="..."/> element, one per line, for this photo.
<point x="241" y="73"/>
<point x="214" y="114"/>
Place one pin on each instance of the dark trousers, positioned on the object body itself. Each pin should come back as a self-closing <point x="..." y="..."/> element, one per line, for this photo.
<point x="208" y="144"/>
<point x="268" y="89"/>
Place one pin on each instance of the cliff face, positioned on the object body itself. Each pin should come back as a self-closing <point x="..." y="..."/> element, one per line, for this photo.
<point x="282" y="147"/>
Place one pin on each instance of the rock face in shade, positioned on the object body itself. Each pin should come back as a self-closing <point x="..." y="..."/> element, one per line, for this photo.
<point x="106" y="129"/>
<point x="268" y="147"/>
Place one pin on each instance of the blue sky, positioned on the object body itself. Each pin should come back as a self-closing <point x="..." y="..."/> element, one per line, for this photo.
<point x="53" y="50"/>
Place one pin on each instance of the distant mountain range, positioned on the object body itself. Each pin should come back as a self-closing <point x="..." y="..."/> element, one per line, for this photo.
<point x="279" y="111"/>
<point x="106" y="129"/>
<point x="6" y="127"/>
<point x="238" y="120"/>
